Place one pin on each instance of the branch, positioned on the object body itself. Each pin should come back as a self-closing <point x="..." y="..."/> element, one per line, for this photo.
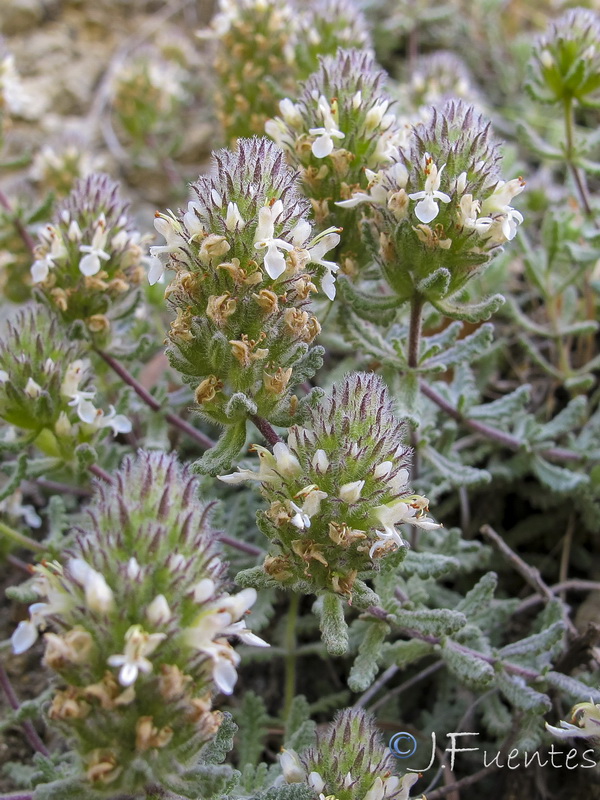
<point x="204" y="441"/>
<point x="30" y="732"/>
<point x="266" y="429"/>
<point x="19" y="227"/>
<point x="508" y="440"/>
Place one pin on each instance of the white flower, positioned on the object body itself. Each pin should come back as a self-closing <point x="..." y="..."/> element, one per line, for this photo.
<point x="99" y="596"/>
<point x="350" y="492"/>
<point x="234" y="220"/>
<point x="505" y="219"/>
<point x="203" y="590"/>
<point x="32" y="389"/>
<point x="399" y="513"/>
<point x="264" y="238"/>
<point x="158" y="612"/>
<point x="156" y="269"/>
<point x="40" y="269"/>
<point x="90" y="263"/>
<point x="86" y="410"/>
<point x="13" y="506"/>
<point x="27" y="631"/>
<point x="216" y="621"/>
<point x="320" y="462"/>
<point x="467" y="215"/>
<point x="323" y="146"/>
<point x="4" y="376"/>
<point x="315" y="781"/>
<point x="118" y="422"/>
<point x="73" y="376"/>
<point x="427" y="209"/>
<point x="272" y="466"/>
<point x="138" y="645"/>
<point x="293" y="771"/>
<point x="316" y="250"/>
<point x="587" y="716"/>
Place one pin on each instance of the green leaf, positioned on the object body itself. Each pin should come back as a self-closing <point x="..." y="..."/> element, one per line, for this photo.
<point x="366" y="664"/>
<point x="251" y="719"/>
<point x="536" y="644"/>
<point x="216" y="751"/>
<point x="428" y="565"/>
<point x="333" y="624"/>
<point x="403" y="653"/>
<point x="508" y="406"/>
<point x="534" y="142"/>
<point x="558" y="479"/>
<point x="522" y="696"/>
<point x="480" y="597"/>
<point x="578" y="691"/>
<point x="473" y="312"/>
<point x="470" y="670"/>
<point x="431" y="621"/>
<point x="222" y="456"/>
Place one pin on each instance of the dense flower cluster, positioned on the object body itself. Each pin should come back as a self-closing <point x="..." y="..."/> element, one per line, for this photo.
<point x="246" y="264"/>
<point x="255" y="43"/>
<point x="565" y="65"/>
<point x="264" y="47"/>
<point x="433" y="80"/>
<point x="340" y="125"/>
<point x="323" y="27"/>
<point x="348" y="762"/>
<point x="148" y="93"/>
<point x="337" y="490"/>
<point x="442" y="210"/>
<point x="141" y="626"/>
<point x="45" y="385"/>
<point x="57" y="170"/>
<point x="90" y="259"/>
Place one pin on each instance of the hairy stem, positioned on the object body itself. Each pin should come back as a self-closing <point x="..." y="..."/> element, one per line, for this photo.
<point x="20" y="538"/>
<point x="266" y="429"/>
<point x="414" y="331"/>
<point x="508" y="440"/>
<point x="28" y="729"/>
<point x="570" y="152"/>
<point x="204" y="441"/>
<point x="290" y="654"/>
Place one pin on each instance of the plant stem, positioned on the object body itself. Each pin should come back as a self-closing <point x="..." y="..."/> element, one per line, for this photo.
<point x="20" y="538"/>
<point x="100" y="473"/>
<point x="204" y="441"/>
<point x="506" y="439"/>
<point x="290" y="655"/>
<point x="414" y="331"/>
<point x="17" y="796"/>
<point x="266" y="429"/>
<point x="28" y="729"/>
<point x="570" y="150"/>
<point x="243" y="547"/>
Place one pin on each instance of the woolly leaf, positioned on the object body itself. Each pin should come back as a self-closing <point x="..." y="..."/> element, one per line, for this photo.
<point x="215" y="751"/>
<point x="522" y="696"/>
<point x="365" y="666"/>
<point x="473" y="312"/>
<point x="333" y="624"/>
<point x="221" y="457"/>
<point x="579" y="691"/>
<point x="496" y="716"/>
<point x="428" y="565"/>
<point x="466" y="666"/>
<point x="204" y="781"/>
<point x="556" y="478"/>
<point x="252" y="721"/>
<point x="507" y="406"/>
<point x="403" y="653"/>
<point x="544" y="642"/>
<point x="480" y="597"/>
<point x="431" y="621"/>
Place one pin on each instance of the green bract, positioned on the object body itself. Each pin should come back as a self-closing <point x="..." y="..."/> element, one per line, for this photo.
<point x="565" y="65"/>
